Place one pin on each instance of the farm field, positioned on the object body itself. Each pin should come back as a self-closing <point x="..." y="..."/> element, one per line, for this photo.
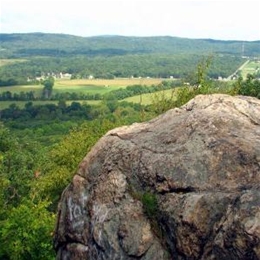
<point x="250" y="68"/>
<point x="147" y="99"/>
<point x="93" y="86"/>
<point x="108" y="82"/>
<point x="144" y="99"/>
<point x="99" y="86"/>
<point x="90" y="86"/>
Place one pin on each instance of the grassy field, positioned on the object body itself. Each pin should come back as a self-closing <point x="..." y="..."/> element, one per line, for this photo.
<point x="250" y="68"/>
<point x="91" y="86"/>
<point x="147" y="99"/>
<point x="100" y="86"/>
<point x="119" y="82"/>
<point x="144" y="99"/>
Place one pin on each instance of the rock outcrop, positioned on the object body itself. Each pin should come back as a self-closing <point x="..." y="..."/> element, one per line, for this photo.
<point x="198" y="167"/>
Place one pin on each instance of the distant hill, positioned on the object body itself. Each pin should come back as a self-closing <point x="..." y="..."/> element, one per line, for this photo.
<point x="42" y="44"/>
<point x="117" y="56"/>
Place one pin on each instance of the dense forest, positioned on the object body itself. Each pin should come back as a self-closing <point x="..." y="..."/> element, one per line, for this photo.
<point x="38" y="54"/>
<point x="41" y="145"/>
<point x="42" y="44"/>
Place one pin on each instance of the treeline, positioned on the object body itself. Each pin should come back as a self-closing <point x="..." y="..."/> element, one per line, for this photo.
<point x="6" y="81"/>
<point x="84" y="111"/>
<point x="22" y="96"/>
<point x="115" y="56"/>
<point x="134" y="90"/>
<point x="47" y="111"/>
<point x="9" y="82"/>
<point x="62" y="111"/>
<point x="139" y="65"/>
<point x="31" y="96"/>
<point x="118" y="94"/>
<point x="49" y="122"/>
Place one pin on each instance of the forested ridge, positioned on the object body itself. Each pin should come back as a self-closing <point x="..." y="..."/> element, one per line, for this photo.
<point x="31" y="44"/>
<point x="115" y="56"/>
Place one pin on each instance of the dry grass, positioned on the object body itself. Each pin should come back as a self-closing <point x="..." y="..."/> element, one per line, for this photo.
<point x="122" y="82"/>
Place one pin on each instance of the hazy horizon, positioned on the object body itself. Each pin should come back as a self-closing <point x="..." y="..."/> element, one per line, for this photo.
<point x="140" y="36"/>
<point x="217" y="20"/>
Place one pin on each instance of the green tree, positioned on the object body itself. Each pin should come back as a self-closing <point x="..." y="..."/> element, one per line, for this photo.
<point x="48" y="86"/>
<point x="64" y="158"/>
<point x="27" y="232"/>
<point x="25" y="222"/>
<point x="248" y="87"/>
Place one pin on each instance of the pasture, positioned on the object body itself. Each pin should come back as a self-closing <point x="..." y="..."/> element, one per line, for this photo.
<point x="144" y="99"/>
<point x="86" y="86"/>
<point x="149" y="98"/>
<point x="100" y="86"/>
<point x="120" y="82"/>
<point x="91" y="86"/>
<point x="251" y="67"/>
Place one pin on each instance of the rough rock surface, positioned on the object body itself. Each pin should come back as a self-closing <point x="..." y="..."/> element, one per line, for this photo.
<point x="201" y="162"/>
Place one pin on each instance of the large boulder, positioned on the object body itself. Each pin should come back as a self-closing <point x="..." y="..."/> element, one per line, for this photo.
<point x="185" y="185"/>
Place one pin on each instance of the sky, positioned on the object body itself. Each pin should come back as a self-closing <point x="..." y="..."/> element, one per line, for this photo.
<point x="222" y="19"/>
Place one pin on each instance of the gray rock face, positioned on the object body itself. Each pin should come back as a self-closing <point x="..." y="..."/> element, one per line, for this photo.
<point x="200" y="164"/>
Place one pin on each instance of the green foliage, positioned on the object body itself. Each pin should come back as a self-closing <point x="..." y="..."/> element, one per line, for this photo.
<point x="150" y="205"/>
<point x="25" y="224"/>
<point x="48" y="86"/>
<point x="29" y="179"/>
<point x="180" y="96"/>
<point x="64" y="158"/>
<point x="202" y="71"/>
<point x="134" y="90"/>
<point x="248" y="87"/>
<point x="18" y="162"/>
<point x="32" y="176"/>
<point x="236" y="86"/>
<point x="162" y="102"/>
<point x="47" y="111"/>
<point x="155" y="65"/>
<point x="27" y="232"/>
<point x="48" y="83"/>
<point x="200" y="85"/>
<point x="151" y="209"/>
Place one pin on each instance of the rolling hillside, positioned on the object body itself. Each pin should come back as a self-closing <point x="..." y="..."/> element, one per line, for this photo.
<point x="32" y="44"/>
<point x="116" y="56"/>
